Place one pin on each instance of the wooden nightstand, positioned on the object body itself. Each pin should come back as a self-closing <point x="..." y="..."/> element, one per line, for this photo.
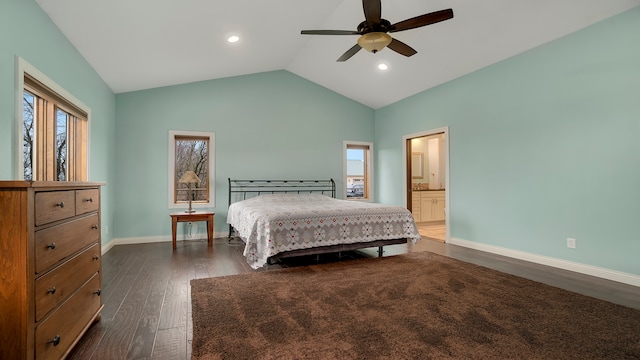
<point x="192" y="217"/>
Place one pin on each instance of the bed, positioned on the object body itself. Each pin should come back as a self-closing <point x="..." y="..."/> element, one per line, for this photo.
<point x="285" y="218"/>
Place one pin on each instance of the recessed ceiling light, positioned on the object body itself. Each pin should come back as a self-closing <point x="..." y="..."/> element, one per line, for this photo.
<point x="233" y="39"/>
<point x="383" y="66"/>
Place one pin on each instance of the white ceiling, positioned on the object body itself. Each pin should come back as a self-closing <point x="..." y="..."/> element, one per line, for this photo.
<point x="142" y="44"/>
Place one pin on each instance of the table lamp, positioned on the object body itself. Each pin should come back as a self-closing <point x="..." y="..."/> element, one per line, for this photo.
<point x="189" y="177"/>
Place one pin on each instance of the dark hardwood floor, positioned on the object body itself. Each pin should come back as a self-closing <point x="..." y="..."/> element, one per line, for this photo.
<point x="147" y="302"/>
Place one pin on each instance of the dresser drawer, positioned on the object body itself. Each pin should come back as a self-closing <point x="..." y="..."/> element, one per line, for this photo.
<point x="55" y="243"/>
<point x="55" y="286"/>
<point x="54" y="205"/>
<point x="55" y="335"/>
<point x="87" y="201"/>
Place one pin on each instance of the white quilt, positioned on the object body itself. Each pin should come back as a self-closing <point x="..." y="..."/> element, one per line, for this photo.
<point x="270" y="224"/>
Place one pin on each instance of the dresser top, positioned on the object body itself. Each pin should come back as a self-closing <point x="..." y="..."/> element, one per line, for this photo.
<point x="48" y="184"/>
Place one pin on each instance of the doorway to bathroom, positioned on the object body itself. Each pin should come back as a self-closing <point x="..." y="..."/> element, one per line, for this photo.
<point x="426" y="181"/>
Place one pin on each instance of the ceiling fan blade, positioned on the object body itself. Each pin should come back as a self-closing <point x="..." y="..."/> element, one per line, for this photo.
<point x="422" y="20"/>
<point x="349" y="53"/>
<point x="372" y="11"/>
<point x="329" y="32"/>
<point x="401" y="48"/>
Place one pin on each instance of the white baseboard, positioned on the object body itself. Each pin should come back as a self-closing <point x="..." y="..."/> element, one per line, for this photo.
<point x="154" y="239"/>
<point x="134" y="240"/>
<point x="604" y="273"/>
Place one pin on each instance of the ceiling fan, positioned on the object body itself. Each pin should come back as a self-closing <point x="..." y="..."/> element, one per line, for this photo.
<point x="373" y="31"/>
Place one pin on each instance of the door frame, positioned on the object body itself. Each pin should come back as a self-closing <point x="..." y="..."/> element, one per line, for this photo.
<point x="406" y="168"/>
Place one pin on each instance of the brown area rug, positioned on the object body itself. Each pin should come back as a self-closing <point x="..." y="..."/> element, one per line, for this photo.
<point x="413" y="306"/>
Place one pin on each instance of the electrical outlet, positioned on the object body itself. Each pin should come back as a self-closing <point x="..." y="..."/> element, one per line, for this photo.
<point x="571" y="243"/>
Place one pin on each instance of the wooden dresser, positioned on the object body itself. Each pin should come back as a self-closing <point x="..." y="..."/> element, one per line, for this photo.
<point x="50" y="266"/>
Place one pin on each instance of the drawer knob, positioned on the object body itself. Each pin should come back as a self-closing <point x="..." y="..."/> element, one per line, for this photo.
<point x="60" y="204"/>
<point x="55" y="341"/>
<point x="98" y="292"/>
<point x="96" y="257"/>
<point x="89" y="200"/>
<point x="51" y="246"/>
<point x="94" y="226"/>
<point x="52" y="290"/>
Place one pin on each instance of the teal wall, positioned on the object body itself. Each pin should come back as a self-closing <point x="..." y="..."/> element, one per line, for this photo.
<point x="272" y="125"/>
<point x="26" y="31"/>
<point x="543" y="146"/>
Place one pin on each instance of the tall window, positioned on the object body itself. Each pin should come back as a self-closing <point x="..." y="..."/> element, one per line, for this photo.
<point x="54" y="135"/>
<point x="192" y="154"/>
<point x="358" y="169"/>
<point x="191" y="151"/>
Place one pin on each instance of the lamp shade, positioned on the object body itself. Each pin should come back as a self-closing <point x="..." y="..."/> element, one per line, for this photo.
<point x="374" y="41"/>
<point x="189" y="177"/>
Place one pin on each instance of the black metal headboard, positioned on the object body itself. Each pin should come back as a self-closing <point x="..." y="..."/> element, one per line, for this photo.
<point x="244" y="189"/>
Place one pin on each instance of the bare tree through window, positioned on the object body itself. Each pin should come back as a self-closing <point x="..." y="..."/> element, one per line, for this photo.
<point x="28" y="134"/>
<point x="192" y="154"/>
<point x="61" y="145"/>
<point x="54" y="135"/>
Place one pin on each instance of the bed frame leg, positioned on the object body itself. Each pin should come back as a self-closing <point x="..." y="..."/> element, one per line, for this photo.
<point x="380" y="251"/>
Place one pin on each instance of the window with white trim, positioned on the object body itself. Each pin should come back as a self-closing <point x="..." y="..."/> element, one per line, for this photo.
<point x="358" y="164"/>
<point x="191" y="151"/>
<point x="54" y="135"/>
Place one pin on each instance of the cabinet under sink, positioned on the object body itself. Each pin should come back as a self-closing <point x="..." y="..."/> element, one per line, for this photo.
<point x="428" y="205"/>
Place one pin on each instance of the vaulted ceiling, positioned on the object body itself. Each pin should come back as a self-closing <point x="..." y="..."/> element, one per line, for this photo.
<point x="141" y="44"/>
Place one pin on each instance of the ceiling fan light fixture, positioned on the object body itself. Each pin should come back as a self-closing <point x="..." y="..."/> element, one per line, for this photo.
<point x="374" y="41"/>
